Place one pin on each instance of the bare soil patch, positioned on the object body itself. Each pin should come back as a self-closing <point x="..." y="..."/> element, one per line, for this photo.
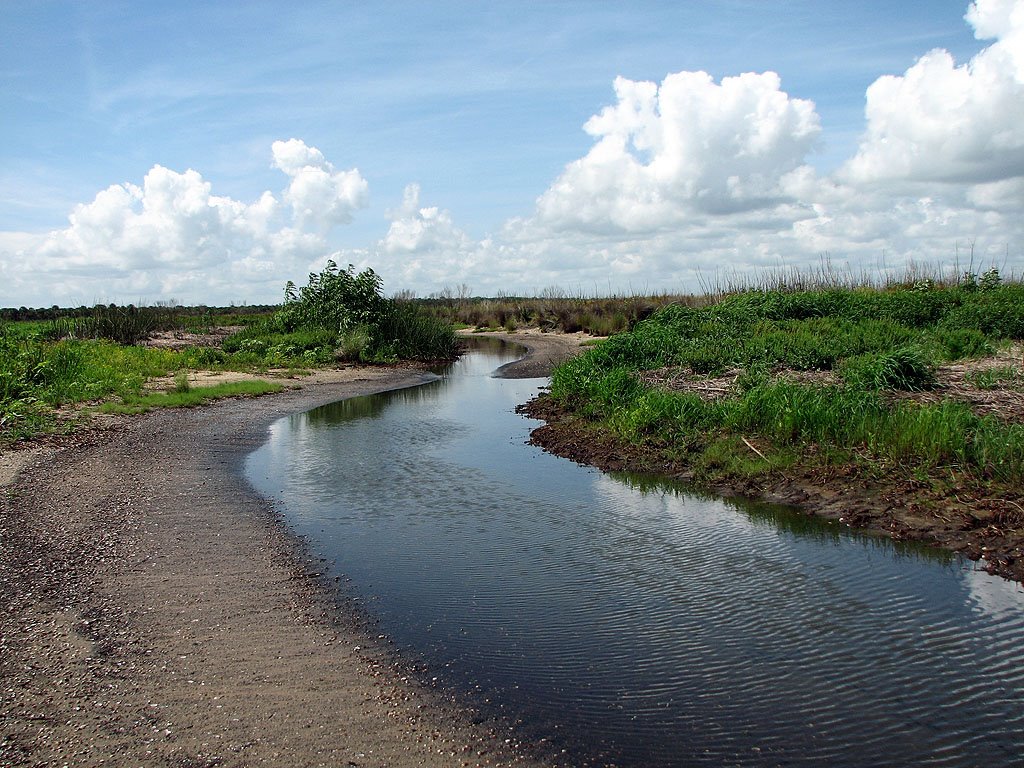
<point x="185" y="339"/>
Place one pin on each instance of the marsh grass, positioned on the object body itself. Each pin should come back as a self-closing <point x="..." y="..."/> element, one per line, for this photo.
<point x="38" y="375"/>
<point x="554" y="311"/>
<point x="879" y="341"/>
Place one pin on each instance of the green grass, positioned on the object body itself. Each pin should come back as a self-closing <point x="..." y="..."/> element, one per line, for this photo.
<point x="190" y="397"/>
<point x="993" y="378"/>
<point x="878" y="341"/>
<point x="38" y="375"/>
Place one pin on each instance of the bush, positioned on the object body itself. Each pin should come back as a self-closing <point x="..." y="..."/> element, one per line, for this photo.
<point x="335" y="300"/>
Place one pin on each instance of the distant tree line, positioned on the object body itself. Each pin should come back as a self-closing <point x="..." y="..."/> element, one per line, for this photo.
<point x="55" y="312"/>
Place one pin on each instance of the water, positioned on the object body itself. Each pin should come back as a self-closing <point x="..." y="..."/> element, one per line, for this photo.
<point x="634" y="622"/>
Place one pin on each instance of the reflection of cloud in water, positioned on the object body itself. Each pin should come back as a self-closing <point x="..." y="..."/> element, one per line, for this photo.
<point x="643" y="495"/>
<point x="638" y="496"/>
<point x="994" y="596"/>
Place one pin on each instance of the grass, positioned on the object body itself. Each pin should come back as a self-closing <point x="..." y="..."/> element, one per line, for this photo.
<point x="189" y="397"/>
<point x="994" y="378"/>
<point x="554" y="311"/>
<point x="877" y="341"/>
<point x="39" y="375"/>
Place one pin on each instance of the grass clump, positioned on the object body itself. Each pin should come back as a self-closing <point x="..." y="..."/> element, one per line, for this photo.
<point x="904" y="368"/>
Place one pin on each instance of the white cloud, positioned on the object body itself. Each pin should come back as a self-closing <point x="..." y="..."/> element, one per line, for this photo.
<point x="943" y="122"/>
<point x="172" y="236"/>
<point x="665" y="154"/>
<point x="319" y="195"/>
<point x="692" y="177"/>
<point x="424" y="248"/>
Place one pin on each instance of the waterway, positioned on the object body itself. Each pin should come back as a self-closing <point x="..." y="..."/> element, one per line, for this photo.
<point x="634" y="622"/>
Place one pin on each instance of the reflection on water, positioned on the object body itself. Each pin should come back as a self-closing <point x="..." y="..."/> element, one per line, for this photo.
<point x="635" y="621"/>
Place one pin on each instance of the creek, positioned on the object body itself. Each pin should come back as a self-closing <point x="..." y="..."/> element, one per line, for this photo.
<point x="636" y="622"/>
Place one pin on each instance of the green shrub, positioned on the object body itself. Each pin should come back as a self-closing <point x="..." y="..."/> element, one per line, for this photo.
<point x="334" y="300"/>
<point x="960" y="343"/>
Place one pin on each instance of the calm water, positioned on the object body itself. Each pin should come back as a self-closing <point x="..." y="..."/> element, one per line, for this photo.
<point x="637" y="623"/>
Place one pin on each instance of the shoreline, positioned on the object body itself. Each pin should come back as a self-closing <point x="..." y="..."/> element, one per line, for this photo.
<point x="158" y="611"/>
<point x="899" y="508"/>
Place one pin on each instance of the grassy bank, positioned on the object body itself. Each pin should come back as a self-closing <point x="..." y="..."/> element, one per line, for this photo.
<point x="40" y="377"/>
<point x="762" y="380"/>
<point x="101" y="357"/>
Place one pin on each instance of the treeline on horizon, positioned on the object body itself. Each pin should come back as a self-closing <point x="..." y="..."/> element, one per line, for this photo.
<point x="171" y="309"/>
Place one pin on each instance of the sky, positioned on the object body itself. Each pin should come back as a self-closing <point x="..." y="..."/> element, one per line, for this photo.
<point x="207" y="153"/>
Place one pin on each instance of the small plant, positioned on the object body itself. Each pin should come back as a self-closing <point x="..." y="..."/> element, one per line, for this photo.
<point x="990" y="280"/>
<point x="995" y="378"/>
<point x="182" y="383"/>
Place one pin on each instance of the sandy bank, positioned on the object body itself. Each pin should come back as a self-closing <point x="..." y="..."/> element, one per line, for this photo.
<point x="543" y="351"/>
<point x="157" y="613"/>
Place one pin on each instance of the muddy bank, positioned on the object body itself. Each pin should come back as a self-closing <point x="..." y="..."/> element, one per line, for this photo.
<point x="971" y="521"/>
<point x="157" y="613"/>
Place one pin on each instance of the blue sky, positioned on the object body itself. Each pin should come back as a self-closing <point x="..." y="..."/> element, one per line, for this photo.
<point x="483" y="107"/>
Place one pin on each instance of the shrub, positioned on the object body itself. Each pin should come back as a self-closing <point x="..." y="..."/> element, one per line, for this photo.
<point x="334" y="300"/>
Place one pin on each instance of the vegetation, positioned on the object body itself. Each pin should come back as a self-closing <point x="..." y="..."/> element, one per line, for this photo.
<point x="554" y="311"/>
<point x="828" y="368"/>
<point x="342" y="315"/>
<point x="56" y="357"/>
<point x="189" y="396"/>
<point x="39" y="375"/>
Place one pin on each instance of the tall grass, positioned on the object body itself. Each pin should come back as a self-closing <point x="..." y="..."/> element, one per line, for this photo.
<point x="598" y="316"/>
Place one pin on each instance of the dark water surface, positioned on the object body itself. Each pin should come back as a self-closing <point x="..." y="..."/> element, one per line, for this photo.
<point x="637" y="623"/>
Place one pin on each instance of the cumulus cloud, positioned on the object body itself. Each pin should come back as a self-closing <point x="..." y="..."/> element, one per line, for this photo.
<point x="689" y="147"/>
<point x="944" y="122"/>
<point x="172" y="236"/>
<point x="423" y="247"/>
<point x="688" y="177"/>
<point x="319" y="195"/>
